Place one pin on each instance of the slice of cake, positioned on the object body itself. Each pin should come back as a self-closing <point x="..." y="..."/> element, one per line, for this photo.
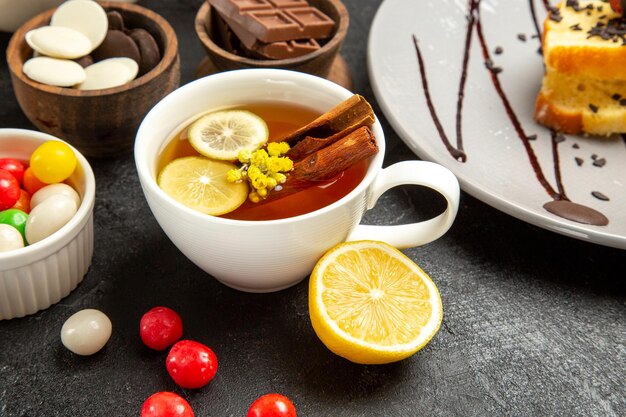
<point x="584" y="86"/>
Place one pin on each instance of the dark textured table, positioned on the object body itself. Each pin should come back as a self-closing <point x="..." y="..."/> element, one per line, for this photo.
<point x="534" y="322"/>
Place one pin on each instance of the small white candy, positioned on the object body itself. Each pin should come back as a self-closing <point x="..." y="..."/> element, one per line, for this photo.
<point x="59" y="42"/>
<point x="53" y="189"/>
<point x="49" y="216"/>
<point x="53" y="71"/>
<point x="10" y="238"/>
<point x="85" y="16"/>
<point x="86" y="332"/>
<point x="109" y="73"/>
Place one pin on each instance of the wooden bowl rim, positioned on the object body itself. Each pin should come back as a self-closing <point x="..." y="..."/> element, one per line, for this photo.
<point x="337" y="38"/>
<point x="169" y="55"/>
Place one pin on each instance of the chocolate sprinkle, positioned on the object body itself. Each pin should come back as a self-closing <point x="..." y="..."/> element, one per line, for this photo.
<point x="622" y="102"/>
<point x="531" y="137"/>
<point x="614" y="29"/>
<point x="579" y="161"/>
<point x="559" y="138"/>
<point x="498" y="50"/>
<point x="599" y="196"/>
<point x="491" y="67"/>
<point x="576" y="26"/>
<point x="594" y="156"/>
<point x="576" y="146"/>
<point x="521" y="37"/>
<point x="593" y="108"/>
<point x="616" y="96"/>
<point x="599" y="162"/>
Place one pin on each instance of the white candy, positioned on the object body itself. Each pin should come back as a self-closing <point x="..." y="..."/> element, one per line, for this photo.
<point x="86" y="332"/>
<point x="109" y="73"/>
<point x="53" y="189"/>
<point x="49" y="216"/>
<point x="53" y="71"/>
<point x="10" y="238"/>
<point x="59" y="42"/>
<point x="85" y="16"/>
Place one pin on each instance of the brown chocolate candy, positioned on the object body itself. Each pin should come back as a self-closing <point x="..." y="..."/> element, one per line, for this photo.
<point x="84" y="61"/>
<point x="117" y="44"/>
<point x="148" y="50"/>
<point x="116" y="21"/>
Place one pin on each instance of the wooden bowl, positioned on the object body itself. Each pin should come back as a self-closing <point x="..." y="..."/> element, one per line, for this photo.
<point x="317" y="63"/>
<point x="99" y="123"/>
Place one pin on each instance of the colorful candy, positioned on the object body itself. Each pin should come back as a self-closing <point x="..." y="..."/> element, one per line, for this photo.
<point x="16" y="218"/>
<point x="53" y="161"/>
<point x="32" y="198"/>
<point x="49" y="216"/>
<point x="272" y="405"/>
<point x="191" y="364"/>
<point x="32" y="184"/>
<point x="9" y="190"/>
<point x="23" y="203"/>
<point x="10" y="238"/>
<point x="86" y="332"/>
<point x="15" y="167"/>
<point x="53" y="189"/>
<point x="166" y="404"/>
<point x="160" y="328"/>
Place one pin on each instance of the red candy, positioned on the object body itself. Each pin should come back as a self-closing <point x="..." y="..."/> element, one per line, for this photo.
<point x="166" y="404"/>
<point x="272" y="405"/>
<point x="15" y="167"/>
<point x="160" y="327"/>
<point x="191" y="364"/>
<point x="9" y="190"/>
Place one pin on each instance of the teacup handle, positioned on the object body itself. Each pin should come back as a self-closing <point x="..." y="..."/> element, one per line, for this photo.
<point x="424" y="173"/>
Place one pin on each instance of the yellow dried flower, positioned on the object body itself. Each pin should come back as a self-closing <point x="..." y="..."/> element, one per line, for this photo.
<point x="277" y="148"/>
<point x="263" y="169"/>
<point x="234" y="175"/>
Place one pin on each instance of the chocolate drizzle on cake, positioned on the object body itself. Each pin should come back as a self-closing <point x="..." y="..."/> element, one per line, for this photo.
<point x="560" y="205"/>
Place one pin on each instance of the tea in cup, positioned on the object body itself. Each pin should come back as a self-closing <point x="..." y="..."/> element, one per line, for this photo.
<point x="262" y="252"/>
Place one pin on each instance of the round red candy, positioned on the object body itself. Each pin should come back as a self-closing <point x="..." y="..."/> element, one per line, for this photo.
<point x="9" y="190"/>
<point x="272" y="405"/>
<point x="191" y="364"/>
<point x="160" y="327"/>
<point x="166" y="404"/>
<point x="15" y="167"/>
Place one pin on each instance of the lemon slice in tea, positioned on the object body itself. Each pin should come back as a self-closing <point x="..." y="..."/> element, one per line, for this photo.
<point x="371" y="304"/>
<point x="222" y="134"/>
<point x="200" y="184"/>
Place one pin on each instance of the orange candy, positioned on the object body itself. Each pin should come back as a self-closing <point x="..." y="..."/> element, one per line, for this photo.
<point x="23" y="203"/>
<point x="31" y="182"/>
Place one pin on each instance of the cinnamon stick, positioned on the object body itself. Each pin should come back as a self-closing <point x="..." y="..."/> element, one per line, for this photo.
<point x="328" y="162"/>
<point x="331" y="126"/>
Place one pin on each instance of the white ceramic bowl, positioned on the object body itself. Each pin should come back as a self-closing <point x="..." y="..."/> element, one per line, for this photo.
<point x="39" y="275"/>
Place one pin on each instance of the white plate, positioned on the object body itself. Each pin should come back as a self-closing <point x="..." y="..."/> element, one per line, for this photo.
<point x="498" y="167"/>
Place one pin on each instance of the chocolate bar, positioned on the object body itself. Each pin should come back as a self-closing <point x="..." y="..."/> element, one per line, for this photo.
<point x="277" y="20"/>
<point x="273" y="50"/>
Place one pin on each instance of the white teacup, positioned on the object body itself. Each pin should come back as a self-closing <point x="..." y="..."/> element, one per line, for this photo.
<point x="264" y="256"/>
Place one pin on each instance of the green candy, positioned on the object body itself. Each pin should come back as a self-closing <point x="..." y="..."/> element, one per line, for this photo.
<point x="16" y="218"/>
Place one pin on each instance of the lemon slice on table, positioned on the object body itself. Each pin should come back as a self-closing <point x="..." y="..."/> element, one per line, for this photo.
<point x="371" y="304"/>
<point x="222" y="134"/>
<point x="200" y="184"/>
